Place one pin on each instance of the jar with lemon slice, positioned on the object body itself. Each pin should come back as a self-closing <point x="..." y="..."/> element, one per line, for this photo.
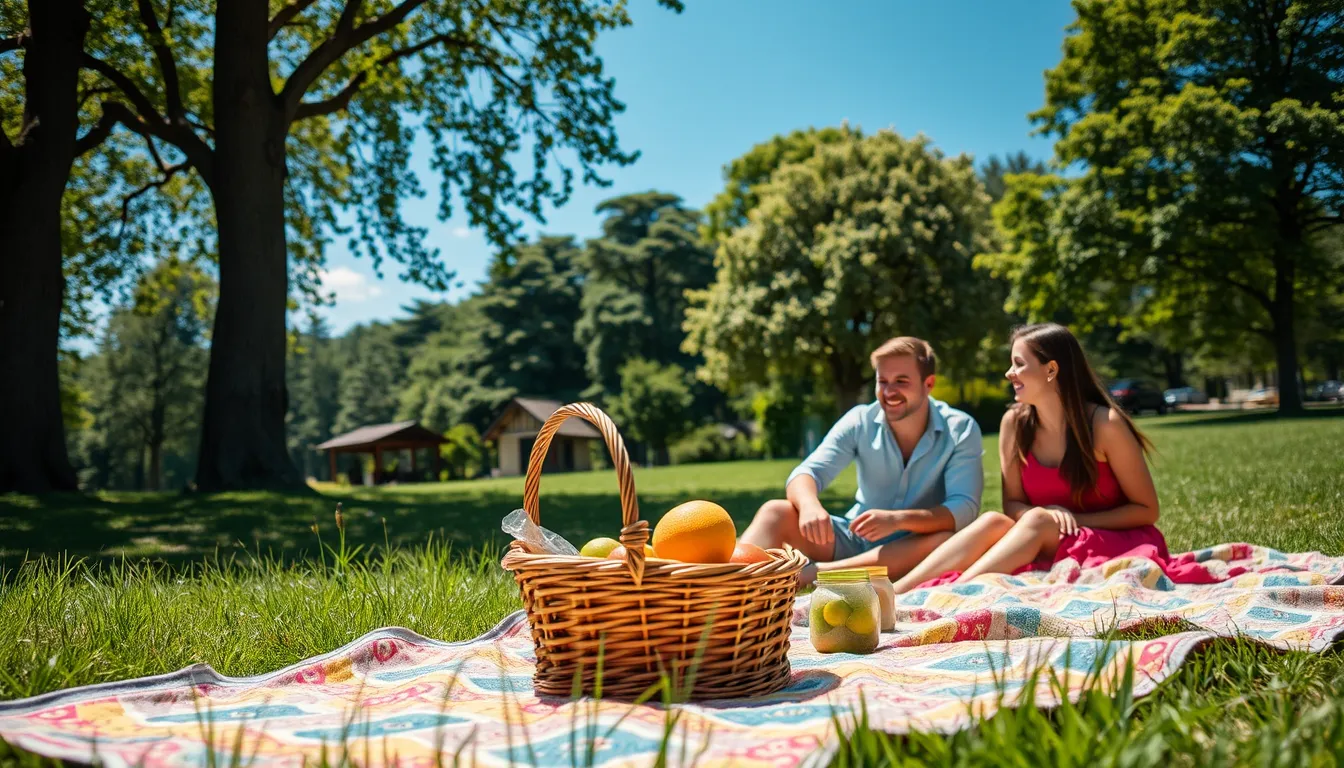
<point x="845" y="612"/>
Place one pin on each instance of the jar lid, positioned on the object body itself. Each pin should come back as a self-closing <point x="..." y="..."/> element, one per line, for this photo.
<point x="877" y="572"/>
<point x="846" y="576"/>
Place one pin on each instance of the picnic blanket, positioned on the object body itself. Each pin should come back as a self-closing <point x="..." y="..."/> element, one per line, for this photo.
<point x="959" y="652"/>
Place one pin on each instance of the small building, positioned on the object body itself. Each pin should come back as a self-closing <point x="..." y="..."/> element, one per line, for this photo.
<point x="515" y="430"/>
<point x="380" y="439"/>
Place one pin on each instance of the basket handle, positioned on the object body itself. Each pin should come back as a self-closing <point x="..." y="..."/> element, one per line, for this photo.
<point x="634" y="532"/>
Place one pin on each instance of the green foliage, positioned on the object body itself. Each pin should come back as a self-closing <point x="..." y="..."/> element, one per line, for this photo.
<point x="464" y="455"/>
<point x="709" y="443"/>
<point x="867" y="239"/>
<point x="525" y="342"/>
<point x="744" y="176"/>
<point x="634" y="281"/>
<point x="994" y="171"/>
<point x="369" y="379"/>
<point x="1208" y="139"/>
<point x="142" y="388"/>
<point x="315" y="375"/>
<point x="653" y="404"/>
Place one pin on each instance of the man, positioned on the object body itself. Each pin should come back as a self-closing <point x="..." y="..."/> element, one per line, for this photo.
<point x="919" y="472"/>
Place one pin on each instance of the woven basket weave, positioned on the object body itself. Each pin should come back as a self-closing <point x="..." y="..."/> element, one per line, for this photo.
<point x="649" y="617"/>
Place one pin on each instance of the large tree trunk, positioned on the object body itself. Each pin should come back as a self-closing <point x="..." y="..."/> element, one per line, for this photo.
<point x="34" y="168"/>
<point x="243" y="434"/>
<point x="1173" y="363"/>
<point x="1285" y="334"/>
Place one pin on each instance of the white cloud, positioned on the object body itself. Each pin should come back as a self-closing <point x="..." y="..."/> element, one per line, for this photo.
<point x="461" y="232"/>
<point x="349" y="285"/>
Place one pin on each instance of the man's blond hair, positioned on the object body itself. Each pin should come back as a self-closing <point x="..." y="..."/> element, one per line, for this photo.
<point x="902" y="346"/>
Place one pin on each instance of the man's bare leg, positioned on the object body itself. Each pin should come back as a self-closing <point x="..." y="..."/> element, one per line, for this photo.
<point x="898" y="556"/>
<point x="776" y="524"/>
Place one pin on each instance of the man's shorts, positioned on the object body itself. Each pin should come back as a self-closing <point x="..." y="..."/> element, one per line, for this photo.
<point x="849" y="543"/>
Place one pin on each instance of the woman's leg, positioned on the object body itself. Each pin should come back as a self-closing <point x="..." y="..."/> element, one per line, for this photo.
<point x="1035" y="534"/>
<point x="963" y="549"/>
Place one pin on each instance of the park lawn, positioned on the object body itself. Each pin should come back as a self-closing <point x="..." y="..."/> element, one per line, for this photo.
<point x="1220" y="478"/>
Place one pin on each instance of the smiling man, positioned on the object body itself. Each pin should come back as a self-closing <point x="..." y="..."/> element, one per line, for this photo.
<point x="919" y="471"/>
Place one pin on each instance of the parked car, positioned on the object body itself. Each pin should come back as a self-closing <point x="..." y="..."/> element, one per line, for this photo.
<point x="1327" y="392"/>
<point x="1263" y="396"/>
<point x="1185" y="396"/>
<point x="1137" y="395"/>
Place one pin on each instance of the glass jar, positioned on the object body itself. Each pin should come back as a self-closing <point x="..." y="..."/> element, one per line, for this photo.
<point x="845" y="612"/>
<point x="886" y="596"/>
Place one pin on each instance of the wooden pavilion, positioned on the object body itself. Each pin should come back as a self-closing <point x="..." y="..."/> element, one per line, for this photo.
<point x="380" y="438"/>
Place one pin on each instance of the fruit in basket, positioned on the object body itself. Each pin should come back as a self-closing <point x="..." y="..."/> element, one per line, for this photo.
<point x="599" y="547"/>
<point x="695" y="532"/>
<point x="619" y="552"/>
<point x="746" y="552"/>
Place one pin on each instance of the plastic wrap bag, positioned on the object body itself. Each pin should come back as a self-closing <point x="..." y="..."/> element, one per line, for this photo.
<point x="518" y="525"/>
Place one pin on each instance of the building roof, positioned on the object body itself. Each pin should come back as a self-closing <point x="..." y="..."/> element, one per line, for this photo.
<point x="540" y="410"/>
<point x="399" y="433"/>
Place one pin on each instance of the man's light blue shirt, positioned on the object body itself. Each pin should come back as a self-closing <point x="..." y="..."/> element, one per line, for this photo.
<point x="945" y="468"/>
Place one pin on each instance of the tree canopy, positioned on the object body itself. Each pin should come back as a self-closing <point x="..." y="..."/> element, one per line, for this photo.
<point x="866" y="239"/>
<point x="1208" y="139"/>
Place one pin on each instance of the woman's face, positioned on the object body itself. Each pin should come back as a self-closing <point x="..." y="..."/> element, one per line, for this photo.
<point x="1032" y="380"/>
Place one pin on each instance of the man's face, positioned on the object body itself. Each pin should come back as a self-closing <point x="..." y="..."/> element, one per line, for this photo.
<point x="900" y="389"/>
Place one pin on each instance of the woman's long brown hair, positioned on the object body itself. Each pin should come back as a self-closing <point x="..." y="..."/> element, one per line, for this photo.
<point x="1079" y="387"/>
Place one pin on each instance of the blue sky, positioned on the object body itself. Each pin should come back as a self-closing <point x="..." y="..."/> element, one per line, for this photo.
<point x="703" y="86"/>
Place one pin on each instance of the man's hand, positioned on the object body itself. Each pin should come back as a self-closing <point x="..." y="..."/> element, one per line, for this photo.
<point x="814" y="522"/>
<point x="876" y="524"/>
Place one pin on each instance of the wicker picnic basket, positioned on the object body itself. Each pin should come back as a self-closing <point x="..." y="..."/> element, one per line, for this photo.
<point x="649" y="618"/>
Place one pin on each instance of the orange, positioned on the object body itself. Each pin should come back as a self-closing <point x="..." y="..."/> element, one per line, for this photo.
<point x="747" y="552"/>
<point x="619" y="552"/>
<point x="695" y="532"/>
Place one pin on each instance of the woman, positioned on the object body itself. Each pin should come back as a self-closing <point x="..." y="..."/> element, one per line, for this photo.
<point x="1075" y="481"/>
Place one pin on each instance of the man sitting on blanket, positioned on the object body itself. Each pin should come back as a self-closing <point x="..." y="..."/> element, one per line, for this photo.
<point x="920" y="475"/>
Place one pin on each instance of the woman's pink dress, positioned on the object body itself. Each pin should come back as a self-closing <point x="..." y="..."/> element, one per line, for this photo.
<point x="1046" y="487"/>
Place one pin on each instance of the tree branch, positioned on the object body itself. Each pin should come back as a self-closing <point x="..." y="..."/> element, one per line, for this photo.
<point x="346" y="38"/>
<point x="334" y="104"/>
<point x="14" y="43"/>
<point x="97" y="134"/>
<point x="146" y="109"/>
<point x="167" y="66"/>
<point x="1317" y="223"/>
<point x="199" y="155"/>
<point x="341" y="99"/>
<point x="168" y="173"/>
<point x="285" y="15"/>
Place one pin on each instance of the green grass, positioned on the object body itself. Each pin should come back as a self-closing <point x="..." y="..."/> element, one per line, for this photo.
<point x="206" y="598"/>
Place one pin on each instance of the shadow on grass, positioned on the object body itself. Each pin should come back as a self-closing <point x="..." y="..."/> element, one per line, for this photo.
<point x="177" y="529"/>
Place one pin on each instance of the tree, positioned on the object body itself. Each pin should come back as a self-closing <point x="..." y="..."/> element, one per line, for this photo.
<point x="316" y="375"/>
<point x="994" y="170"/>
<point x="147" y="376"/>
<point x="40" y="139"/>
<point x="868" y="238"/>
<point x="313" y="100"/>
<point x="1209" y="138"/>
<point x="634" y="283"/>
<point x="744" y="176"/>
<point x="441" y="384"/>
<point x="653" y="404"/>
<point x="525" y="341"/>
<point x="369" y="379"/>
